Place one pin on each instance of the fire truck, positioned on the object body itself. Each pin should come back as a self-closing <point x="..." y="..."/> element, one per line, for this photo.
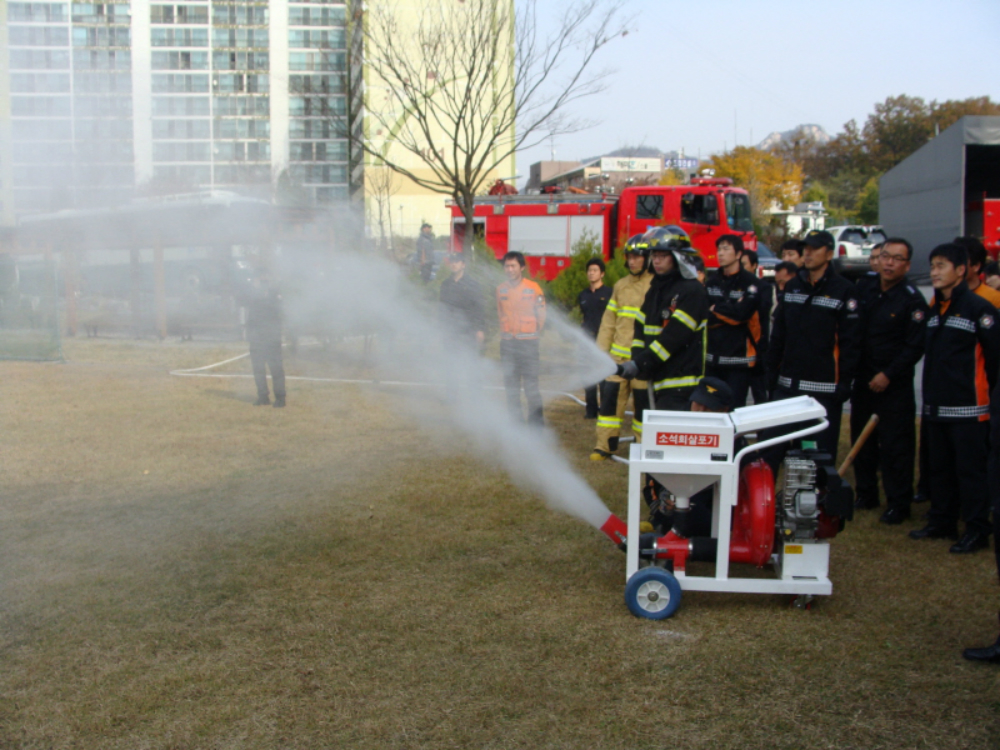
<point x="545" y="227"/>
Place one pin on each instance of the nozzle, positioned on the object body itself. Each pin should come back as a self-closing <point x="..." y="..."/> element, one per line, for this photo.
<point x="616" y="530"/>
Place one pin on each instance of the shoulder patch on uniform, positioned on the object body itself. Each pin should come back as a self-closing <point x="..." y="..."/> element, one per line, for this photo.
<point x="752" y="289"/>
<point x="852" y="304"/>
<point x="918" y="315"/>
<point x="986" y="321"/>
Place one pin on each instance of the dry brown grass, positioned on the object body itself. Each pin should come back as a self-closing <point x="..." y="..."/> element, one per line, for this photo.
<point x="180" y="570"/>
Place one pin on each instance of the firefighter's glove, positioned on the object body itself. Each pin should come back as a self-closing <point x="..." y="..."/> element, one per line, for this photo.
<point x="628" y="370"/>
<point x="842" y="392"/>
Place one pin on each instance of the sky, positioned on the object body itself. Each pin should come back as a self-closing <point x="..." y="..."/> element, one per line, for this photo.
<point x="704" y="75"/>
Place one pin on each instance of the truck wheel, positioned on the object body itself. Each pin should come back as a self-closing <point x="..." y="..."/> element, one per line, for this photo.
<point x="653" y="593"/>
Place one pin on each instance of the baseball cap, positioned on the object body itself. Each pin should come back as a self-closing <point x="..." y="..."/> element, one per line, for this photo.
<point x="714" y="394"/>
<point x="819" y="238"/>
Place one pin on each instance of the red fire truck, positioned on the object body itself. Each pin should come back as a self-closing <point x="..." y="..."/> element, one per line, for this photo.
<point x="545" y="227"/>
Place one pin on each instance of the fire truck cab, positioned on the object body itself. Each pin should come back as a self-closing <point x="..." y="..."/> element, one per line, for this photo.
<point x="546" y="227"/>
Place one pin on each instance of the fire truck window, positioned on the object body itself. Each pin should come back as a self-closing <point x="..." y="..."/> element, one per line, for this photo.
<point x="649" y="207"/>
<point x="699" y="209"/>
<point x="738" y="212"/>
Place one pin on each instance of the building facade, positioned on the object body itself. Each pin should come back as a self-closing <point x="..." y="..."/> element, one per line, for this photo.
<point x="107" y="100"/>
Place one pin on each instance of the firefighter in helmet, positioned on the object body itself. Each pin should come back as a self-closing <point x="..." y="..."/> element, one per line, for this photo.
<point x="670" y="331"/>
<point x="615" y="337"/>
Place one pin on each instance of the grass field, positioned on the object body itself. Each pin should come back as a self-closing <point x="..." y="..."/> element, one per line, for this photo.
<point x="179" y="569"/>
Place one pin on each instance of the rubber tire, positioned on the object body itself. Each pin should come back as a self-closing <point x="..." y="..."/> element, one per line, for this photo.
<point x="656" y="581"/>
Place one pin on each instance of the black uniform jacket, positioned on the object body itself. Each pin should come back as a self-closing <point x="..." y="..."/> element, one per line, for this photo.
<point x="894" y="328"/>
<point x="670" y="332"/>
<point x="734" y="323"/>
<point x="462" y="305"/>
<point x="592" y="305"/>
<point x="814" y="347"/>
<point x="962" y="354"/>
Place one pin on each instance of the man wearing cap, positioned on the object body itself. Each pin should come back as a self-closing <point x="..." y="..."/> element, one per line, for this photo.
<point x="814" y="343"/>
<point x="462" y="303"/>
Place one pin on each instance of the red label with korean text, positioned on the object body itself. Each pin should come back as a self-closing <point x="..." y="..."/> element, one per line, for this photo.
<point x="691" y="440"/>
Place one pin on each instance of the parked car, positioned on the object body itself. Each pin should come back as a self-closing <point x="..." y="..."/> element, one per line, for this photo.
<point x="766" y="261"/>
<point x="851" y="249"/>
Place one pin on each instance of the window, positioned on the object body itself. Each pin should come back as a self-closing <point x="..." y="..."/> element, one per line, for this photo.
<point x="738" y="212"/>
<point x="180" y="84"/>
<point x="181" y="129"/>
<point x="242" y="128"/>
<point x="319" y="61"/>
<point x="37" y="36"/>
<point x="649" y="207"/>
<point x="318" y="84"/>
<point x="321" y="128"/>
<point x="39" y="59"/>
<point x="333" y="105"/>
<point x="180" y="106"/>
<point x="240" y="61"/>
<point x="239" y="15"/>
<point x="179" y="37"/>
<point x="36" y="12"/>
<point x="241" y="105"/>
<point x="326" y="39"/>
<point x="180" y="60"/>
<point x="698" y="208"/>
<point x="299" y="16"/>
<point x="240" y="38"/>
<point x="39" y="83"/>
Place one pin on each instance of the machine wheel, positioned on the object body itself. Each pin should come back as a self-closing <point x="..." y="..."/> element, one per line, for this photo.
<point x="653" y="593"/>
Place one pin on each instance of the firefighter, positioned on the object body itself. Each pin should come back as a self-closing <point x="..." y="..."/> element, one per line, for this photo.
<point x="893" y="330"/>
<point x="734" y="319"/>
<point x="521" y="310"/>
<point x="814" y="343"/>
<point x="961" y="358"/>
<point x="670" y="331"/>
<point x="615" y="337"/>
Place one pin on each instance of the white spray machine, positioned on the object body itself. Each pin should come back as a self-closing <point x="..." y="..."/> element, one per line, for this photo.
<point x="687" y="452"/>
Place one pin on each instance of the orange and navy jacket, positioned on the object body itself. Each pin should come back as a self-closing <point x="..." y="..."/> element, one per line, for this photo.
<point x="961" y="358"/>
<point x="734" y="322"/>
<point x="815" y="342"/>
<point x="521" y="310"/>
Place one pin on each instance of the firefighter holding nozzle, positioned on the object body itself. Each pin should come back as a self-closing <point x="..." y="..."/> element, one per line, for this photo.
<point x="670" y="330"/>
<point x="615" y="337"/>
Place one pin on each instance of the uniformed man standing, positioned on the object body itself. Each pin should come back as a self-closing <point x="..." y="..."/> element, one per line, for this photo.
<point x="593" y="301"/>
<point x="521" y="310"/>
<point x="814" y="343"/>
<point x="734" y="319"/>
<point x="670" y="332"/>
<point x="961" y="358"/>
<point x="615" y="337"/>
<point x="894" y="320"/>
<point x="765" y="311"/>
<point x="462" y="304"/>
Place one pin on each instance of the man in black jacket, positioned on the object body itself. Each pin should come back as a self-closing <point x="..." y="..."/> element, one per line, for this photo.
<point x="734" y="319"/>
<point x="462" y="304"/>
<point x="961" y="359"/>
<point x="767" y="300"/>
<point x="893" y="330"/>
<point x="814" y="343"/>
<point x="593" y="301"/>
<point x="670" y="331"/>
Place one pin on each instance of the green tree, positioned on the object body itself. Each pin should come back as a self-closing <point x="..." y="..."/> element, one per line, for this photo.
<point x="564" y="289"/>
<point x="867" y="203"/>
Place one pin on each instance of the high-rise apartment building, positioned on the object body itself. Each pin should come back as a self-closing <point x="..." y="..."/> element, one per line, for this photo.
<point x="101" y="101"/>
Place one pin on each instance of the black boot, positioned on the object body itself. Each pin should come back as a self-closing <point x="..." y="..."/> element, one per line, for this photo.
<point x="989" y="654"/>
<point x="262" y="401"/>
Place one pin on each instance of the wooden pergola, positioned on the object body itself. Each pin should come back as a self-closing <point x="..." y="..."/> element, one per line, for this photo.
<point x="217" y="219"/>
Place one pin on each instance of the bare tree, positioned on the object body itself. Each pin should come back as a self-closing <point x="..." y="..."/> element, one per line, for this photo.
<point x="382" y="186"/>
<point x="470" y="83"/>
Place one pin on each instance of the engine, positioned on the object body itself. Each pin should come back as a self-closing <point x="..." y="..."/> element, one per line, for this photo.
<point x="814" y="502"/>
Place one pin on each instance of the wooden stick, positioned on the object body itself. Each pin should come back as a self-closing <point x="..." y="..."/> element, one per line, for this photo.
<point x="856" y="448"/>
